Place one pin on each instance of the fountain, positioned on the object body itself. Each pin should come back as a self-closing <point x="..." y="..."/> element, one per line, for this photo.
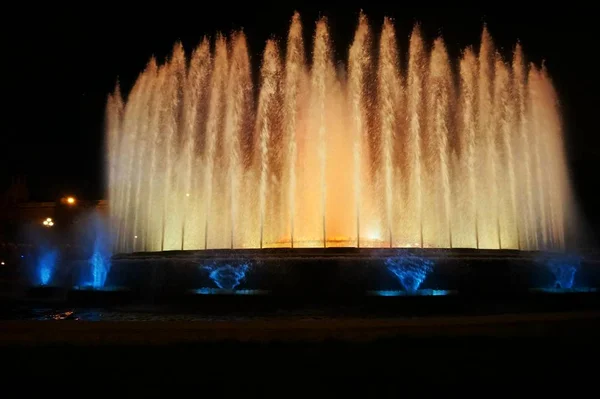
<point x="410" y="270"/>
<point x="321" y="164"/>
<point x="227" y="277"/>
<point x="314" y="155"/>
<point x="564" y="272"/>
<point x="46" y="266"/>
<point x="97" y="268"/>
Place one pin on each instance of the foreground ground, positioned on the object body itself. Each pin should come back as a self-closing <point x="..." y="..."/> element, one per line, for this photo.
<point x="534" y="349"/>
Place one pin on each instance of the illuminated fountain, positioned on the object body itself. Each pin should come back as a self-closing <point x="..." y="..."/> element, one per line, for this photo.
<point x="46" y="266"/>
<point x="316" y="155"/>
<point x="449" y="160"/>
<point x="92" y="273"/>
<point x="568" y="274"/>
<point x="564" y="270"/>
<point x="227" y="277"/>
<point x="96" y="268"/>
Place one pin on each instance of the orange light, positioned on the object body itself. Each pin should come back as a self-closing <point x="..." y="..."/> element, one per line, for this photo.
<point x="70" y="200"/>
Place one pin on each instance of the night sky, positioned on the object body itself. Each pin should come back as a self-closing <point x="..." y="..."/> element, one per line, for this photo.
<point x="62" y="63"/>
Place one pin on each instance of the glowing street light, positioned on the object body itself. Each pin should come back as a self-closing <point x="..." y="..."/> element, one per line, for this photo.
<point x="69" y="200"/>
<point x="48" y="222"/>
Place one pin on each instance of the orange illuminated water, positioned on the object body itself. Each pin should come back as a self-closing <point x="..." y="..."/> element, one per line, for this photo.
<point x="445" y="153"/>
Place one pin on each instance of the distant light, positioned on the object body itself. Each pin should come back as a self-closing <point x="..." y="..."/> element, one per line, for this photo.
<point x="48" y="222"/>
<point x="70" y="200"/>
<point x="134" y="236"/>
<point x="22" y="256"/>
<point x="187" y="194"/>
<point x="2" y="263"/>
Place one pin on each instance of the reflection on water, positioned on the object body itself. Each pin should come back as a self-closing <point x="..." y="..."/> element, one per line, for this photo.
<point x="222" y="291"/>
<point x="426" y="292"/>
<point x="156" y="315"/>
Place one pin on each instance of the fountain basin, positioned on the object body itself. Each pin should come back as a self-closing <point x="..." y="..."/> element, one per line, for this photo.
<point x="345" y="272"/>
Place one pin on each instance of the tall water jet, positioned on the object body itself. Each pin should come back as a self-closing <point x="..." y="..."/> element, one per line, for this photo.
<point x="171" y="120"/>
<point x="488" y="220"/>
<point x="294" y="74"/>
<point x="362" y="154"/>
<point x="526" y="207"/>
<point x="239" y="101"/>
<point x="504" y="116"/>
<point x="267" y="123"/>
<point x="320" y="68"/>
<point x="417" y="61"/>
<point x="128" y="139"/>
<point x="536" y="109"/>
<point x="437" y="224"/>
<point x="195" y="96"/>
<point x="358" y="64"/>
<point x="138" y="172"/>
<point x="467" y="231"/>
<point x="213" y="128"/>
<point x="390" y="97"/>
<point x="153" y="233"/>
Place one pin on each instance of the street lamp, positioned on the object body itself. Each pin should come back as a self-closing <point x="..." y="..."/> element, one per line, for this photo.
<point x="48" y="222"/>
<point x="69" y="200"/>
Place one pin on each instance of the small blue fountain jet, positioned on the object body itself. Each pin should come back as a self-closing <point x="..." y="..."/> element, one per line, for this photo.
<point x="99" y="266"/>
<point x="227" y="276"/>
<point x="46" y="266"/>
<point x="409" y="269"/>
<point x="564" y="270"/>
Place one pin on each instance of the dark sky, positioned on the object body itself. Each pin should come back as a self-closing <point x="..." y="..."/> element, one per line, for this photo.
<point x="62" y="63"/>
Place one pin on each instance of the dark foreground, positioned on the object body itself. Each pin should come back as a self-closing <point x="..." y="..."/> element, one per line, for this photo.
<point x="399" y="354"/>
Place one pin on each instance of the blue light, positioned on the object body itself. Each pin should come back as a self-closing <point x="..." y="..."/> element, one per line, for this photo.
<point x="99" y="266"/>
<point x="218" y="291"/>
<point x="227" y="276"/>
<point x="46" y="266"/>
<point x="426" y="292"/>
<point x="564" y="270"/>
<point x="409" y="269"/>
<point x="564" y="290"/>
<point x="99" y="270"/>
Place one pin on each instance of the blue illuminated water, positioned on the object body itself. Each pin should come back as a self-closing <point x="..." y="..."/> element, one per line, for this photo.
<point x="410" y="270"/>
<point x="426" y="292"/>
<point x="100" y="265"/>
<point x="227" y="276"/>
<point x="220" y="291"/>
<point x="46" y="266"/>
<point x="96" y="237"/>
<point x="564" y="269"/>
